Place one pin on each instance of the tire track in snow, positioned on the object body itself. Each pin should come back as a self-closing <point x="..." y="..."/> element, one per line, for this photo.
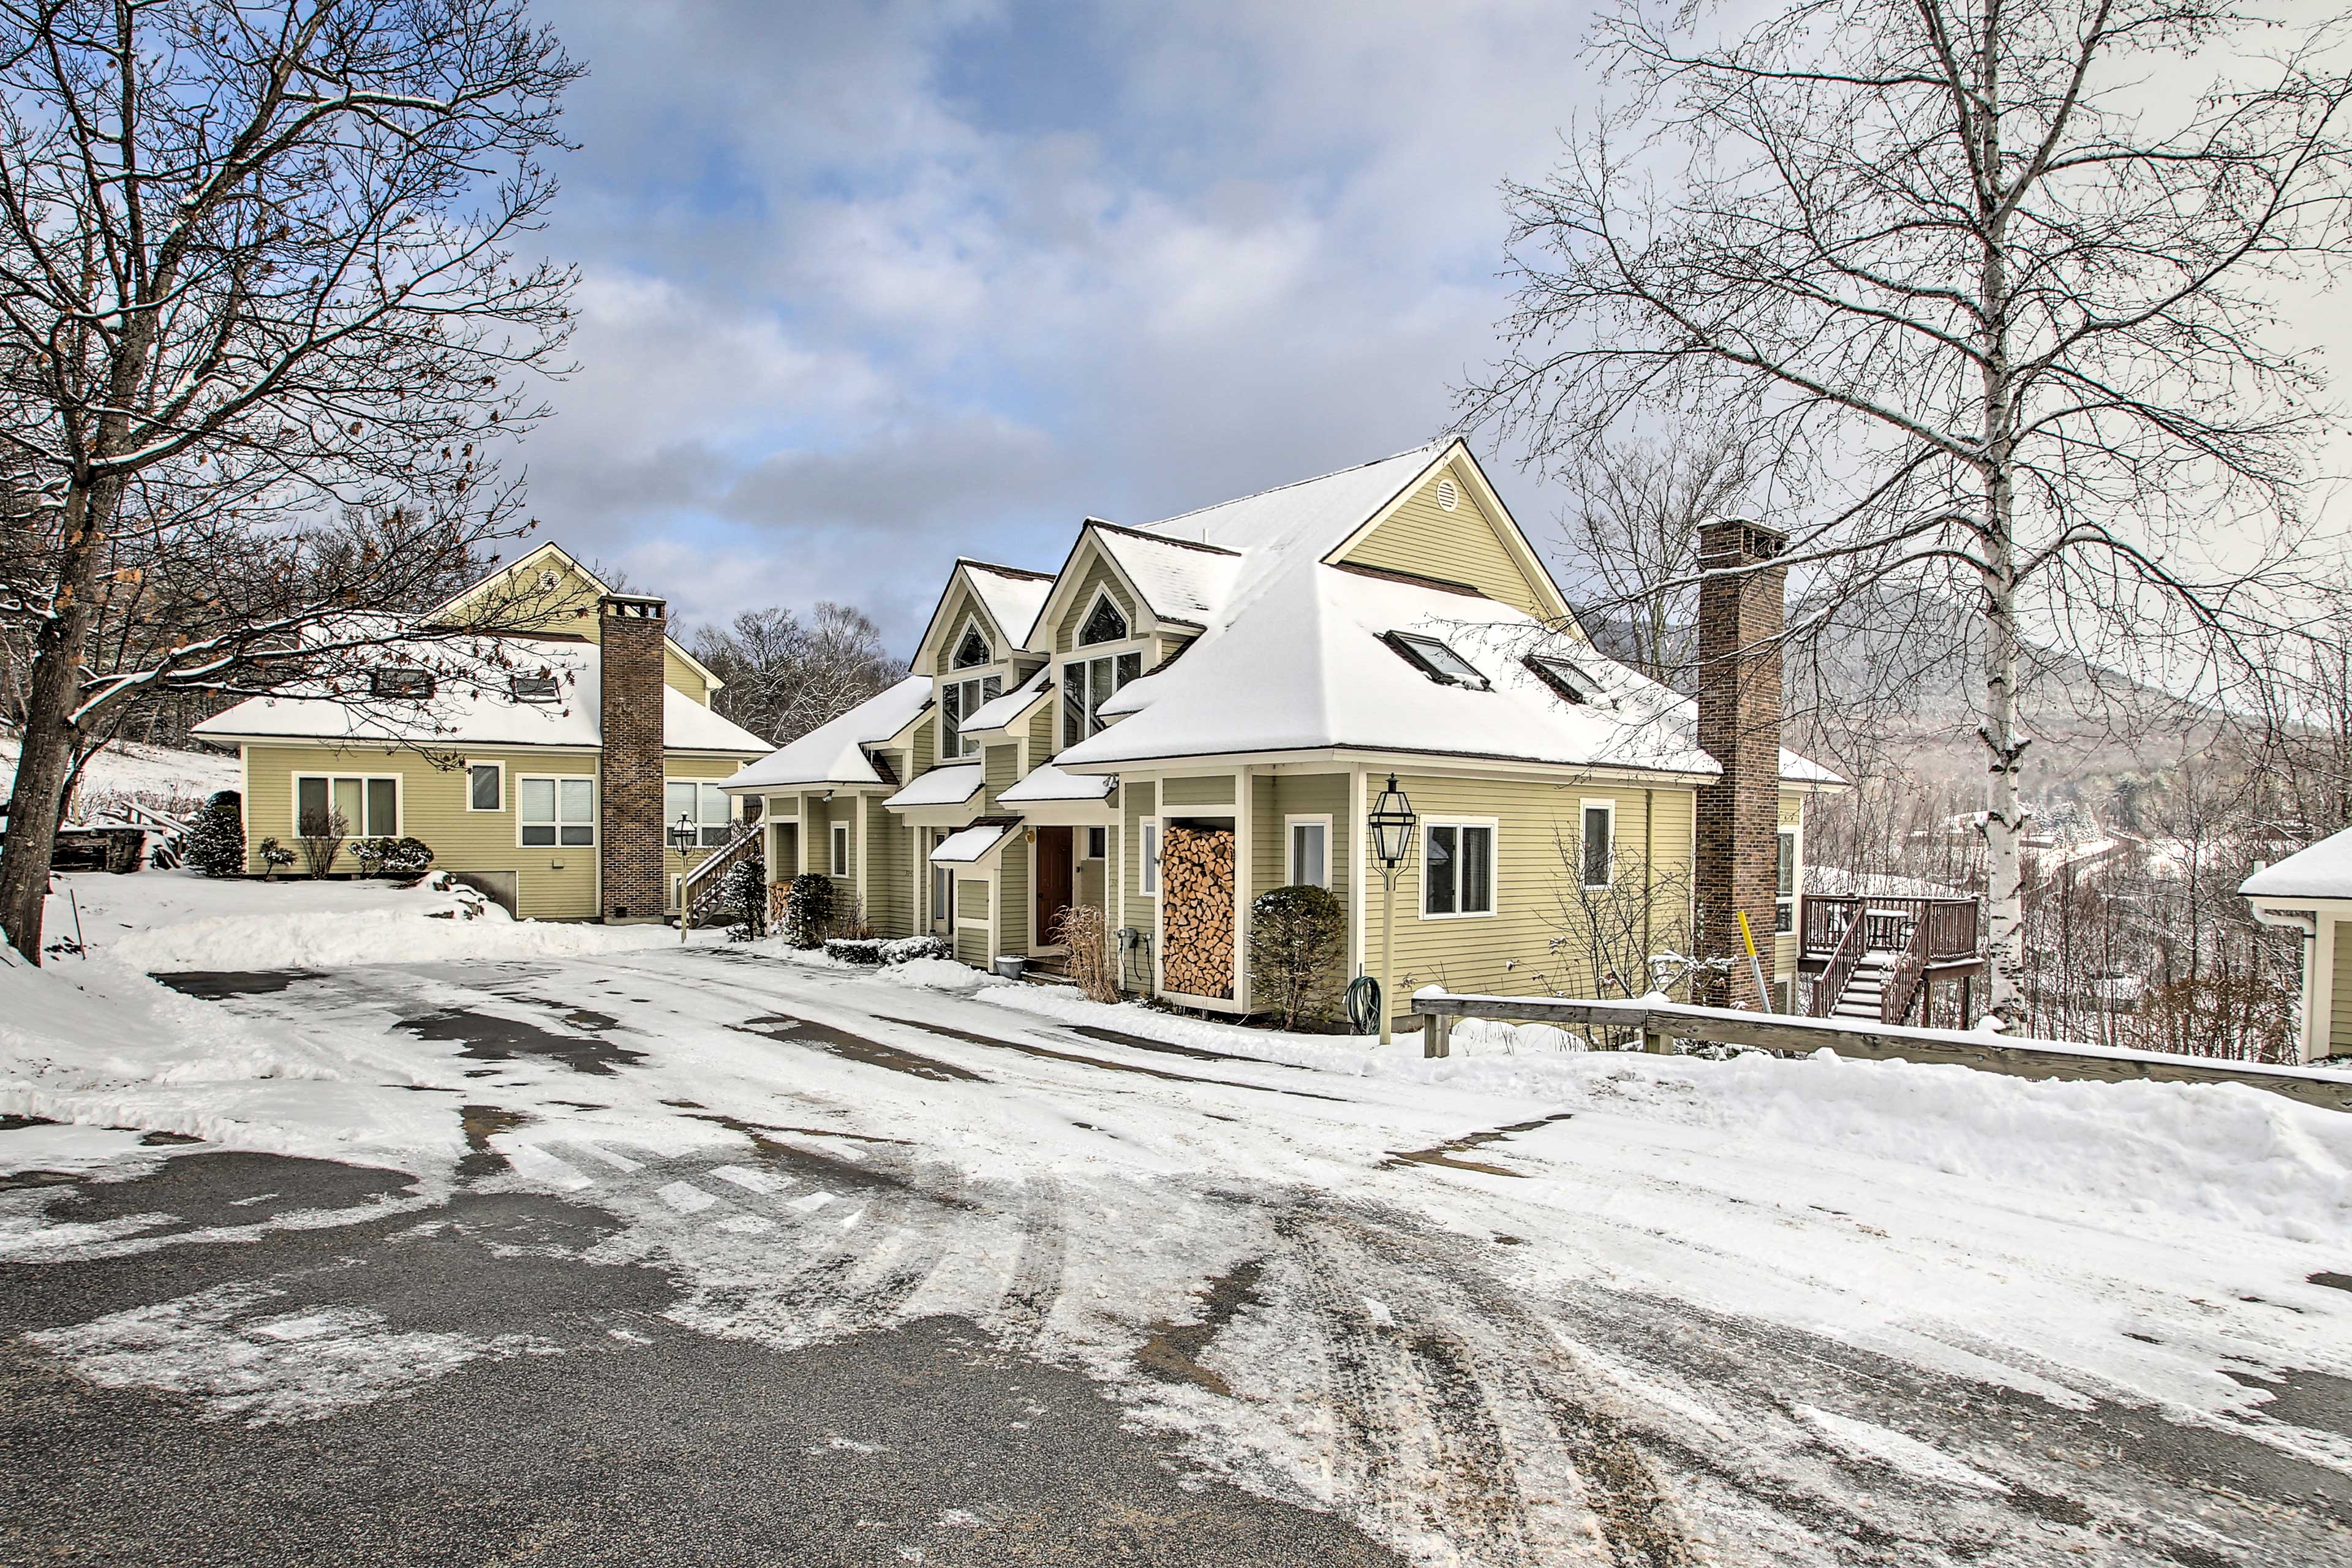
<point x="1036" y="1283"/>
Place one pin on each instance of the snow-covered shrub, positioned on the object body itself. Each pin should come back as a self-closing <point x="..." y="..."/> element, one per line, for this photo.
<point x="1296" y="938"/>
<point x="393" y="857"/>
<point x="907" y="949"/>
<point x="875" y="952"/>
<point x="273" y="856"/>
<point x="745" y="888"/>
<point x="808" y="910"/>
<point x="1080" y="928"/>
<point x="214" y="845"/>
<point x="865" y="952"/>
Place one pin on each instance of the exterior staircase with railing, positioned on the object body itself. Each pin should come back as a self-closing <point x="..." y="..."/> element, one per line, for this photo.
<point x="1863" y="995"/>
<point x="703" y="890"/>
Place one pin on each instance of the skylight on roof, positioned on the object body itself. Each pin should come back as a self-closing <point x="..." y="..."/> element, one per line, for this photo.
<point x="532" y="688"/>
<point x="1567" y="678"/>
<point x="1437" y="660"/>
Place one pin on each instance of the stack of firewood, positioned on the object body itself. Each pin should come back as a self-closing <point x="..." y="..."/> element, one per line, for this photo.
<point x="1196" y="910"/>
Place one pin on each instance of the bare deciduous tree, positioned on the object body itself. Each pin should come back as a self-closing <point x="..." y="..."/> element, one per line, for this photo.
<point x="257" y="266"/>
<point x="1993" y="305"/>
<point x="786" y="676"/>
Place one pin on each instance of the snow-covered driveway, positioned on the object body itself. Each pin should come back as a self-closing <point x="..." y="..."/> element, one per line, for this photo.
<point x="1504" y="1310"/>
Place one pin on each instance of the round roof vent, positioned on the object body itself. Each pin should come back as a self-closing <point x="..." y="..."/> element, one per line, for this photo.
<point x="1447" y="495"/>
<point x="548" y="580"/>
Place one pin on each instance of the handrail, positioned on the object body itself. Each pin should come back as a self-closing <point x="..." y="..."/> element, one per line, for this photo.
<point x="1902" y="981"/>
<point x="695" y="891"/>
<point x="745" y="833"/>
<point x="1843" y="957"/>
<point x="1955" y="925"/>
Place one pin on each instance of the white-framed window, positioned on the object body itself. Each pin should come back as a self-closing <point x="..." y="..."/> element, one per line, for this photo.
<point x="1087" y="684"/>
<point x="1458" y="868"/>
<point x="1147" y="840"/>
<point x="1597" y="844"/>
<point x="959" y="699"/>
<point x="942" y="884"/>
<point x="1097" y="843"/>
<point x="1308" y="851"/>
<point x="840" y="849"/>
<point x="368" y="804"/>
<point x="1105" y="622"/>
<point x="1784" y="895"/>
<point x="554" y="812"/>
<point x="701" y="803"/>
<point x="970" y="648"/>
<point x="485" y="786"/>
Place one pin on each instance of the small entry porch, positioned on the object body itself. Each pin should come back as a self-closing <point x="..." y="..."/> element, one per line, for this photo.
<point x="1882" y="958"/>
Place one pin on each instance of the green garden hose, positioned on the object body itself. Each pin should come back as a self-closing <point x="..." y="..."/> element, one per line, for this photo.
<point x="1363" y="1004"/>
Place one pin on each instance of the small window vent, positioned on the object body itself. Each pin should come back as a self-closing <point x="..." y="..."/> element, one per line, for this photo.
<point x="1447" y="496"/>
<point x="549" y="581"/>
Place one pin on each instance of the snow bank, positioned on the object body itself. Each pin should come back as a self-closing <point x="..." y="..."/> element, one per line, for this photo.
<point x="174" y="920"/>
<point x="2220" y="1151"/>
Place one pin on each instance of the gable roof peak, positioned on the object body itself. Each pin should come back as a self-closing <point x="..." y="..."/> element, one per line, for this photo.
<point x="1429" y="448"/>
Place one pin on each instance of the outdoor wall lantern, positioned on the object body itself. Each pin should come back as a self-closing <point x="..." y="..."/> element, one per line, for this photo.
<point x="1391" y="825"/>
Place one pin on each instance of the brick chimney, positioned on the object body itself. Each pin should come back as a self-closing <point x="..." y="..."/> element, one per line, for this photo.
<point x="630" y="655"/>
<point x="1736" y="853"/>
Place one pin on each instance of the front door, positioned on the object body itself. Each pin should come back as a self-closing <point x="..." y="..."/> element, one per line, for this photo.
<point x="1050" y="865"/>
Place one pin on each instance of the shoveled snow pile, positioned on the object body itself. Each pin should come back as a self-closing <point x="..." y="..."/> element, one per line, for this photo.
<point x="2236" y="1155"/>
<point x="164" y="921"/>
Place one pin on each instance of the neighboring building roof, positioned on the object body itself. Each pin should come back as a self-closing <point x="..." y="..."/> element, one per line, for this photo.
<point x="1050" y="782"/>
<point x="551" y="551"/>
<point x="462" y="712"/>
<point x="942" y="786"/>
<point x="2322" y="872"/>
<point x="1315" y="514"/>
<point x="834" y="752"/>
<point x="1299" y="663"/>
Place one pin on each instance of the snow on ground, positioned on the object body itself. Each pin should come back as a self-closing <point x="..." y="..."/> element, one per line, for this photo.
<point x="163" y="921"/>
<point x="1518" y="1306"/>
<point x="151" y="774"/>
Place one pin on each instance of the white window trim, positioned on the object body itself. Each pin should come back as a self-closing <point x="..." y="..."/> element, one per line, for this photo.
<point x="1589" y="805"/>
<point x="1078" y="627"/>
<point x="1290" y="846"/>
<point x="357" y="830"/>
<point x="595" y="829"/>
<point x="837" y="835"/>
<point x="1795" y="833"/>
<point x="949" y="669"/>
<point x="1086" y="653"/>
<point x="486" y="810"/>
<point x="700" y="822"/>
<point x="974" y="675"/>
<point x="1494" y="867"/>
<point x="1147" y="841"/>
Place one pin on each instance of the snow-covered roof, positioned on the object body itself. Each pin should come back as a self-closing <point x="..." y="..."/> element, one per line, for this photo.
<point x="2322" y="872"/>
<point x="1179" y="580"/>
<point x="482" y="711"/>
<point x="1314" y="515"/>
<point x="941" y="786"/>
<point x="972" y="845"/>
<point x="834" y="752"/>
<point x="1050" y="782"/>
<point x="1299" y="663"/>
<point x="1012" y="598"/>
<point x="1004" y="710"/>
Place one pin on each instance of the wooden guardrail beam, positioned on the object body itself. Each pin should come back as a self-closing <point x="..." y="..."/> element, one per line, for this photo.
<point x="1660" y="1024"/>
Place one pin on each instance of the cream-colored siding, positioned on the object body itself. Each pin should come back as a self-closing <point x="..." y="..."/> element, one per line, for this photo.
<point x="1274" y="800"/>
<point x="681" y="677"/>
<point x="1459" y="546"/>
<point x="1012" y="895"/>
<point x="2341" y="992"/>
<point x="677" y="765"/>
<point x="1539" y="827"/>
<point x="889" y="875"/>
<point x="1098" y="577"/>
<point x="557" y="883"/>
<point x="972" y="940"/>
<point x="1042" y="728"/>
<point x="577" y="596"/>
<point x="961" y="607"/>
<point x="1137" y="801"/>
<point x="1214" y="789"/>
<point x="1000" y="768"/>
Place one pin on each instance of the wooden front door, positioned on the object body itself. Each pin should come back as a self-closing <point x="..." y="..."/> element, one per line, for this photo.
<point x="1050" y="866"/>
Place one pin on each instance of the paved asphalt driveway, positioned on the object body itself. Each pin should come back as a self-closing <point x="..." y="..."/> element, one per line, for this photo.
<point x="843" y="1332"/>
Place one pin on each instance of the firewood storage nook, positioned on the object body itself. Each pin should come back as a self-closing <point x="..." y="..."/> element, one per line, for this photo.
<point x="1196" y="910"/>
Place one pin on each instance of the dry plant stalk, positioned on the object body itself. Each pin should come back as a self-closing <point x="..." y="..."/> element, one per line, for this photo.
<point x="1080" y="929"/>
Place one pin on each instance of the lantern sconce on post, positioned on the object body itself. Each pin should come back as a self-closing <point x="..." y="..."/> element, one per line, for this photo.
<point x="1391" y="825"/>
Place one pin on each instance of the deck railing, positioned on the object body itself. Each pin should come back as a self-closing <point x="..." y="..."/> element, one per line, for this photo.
<point x="1951" y="926"/>
<point x="1830" y="985"/>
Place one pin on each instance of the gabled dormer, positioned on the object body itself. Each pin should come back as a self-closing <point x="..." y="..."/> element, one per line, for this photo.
<point x="1450" y="527"/>
<point x="549" y="593"/>
<point x="975" y="648"/>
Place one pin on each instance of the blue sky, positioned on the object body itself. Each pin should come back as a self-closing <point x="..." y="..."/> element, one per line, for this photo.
<point x="870" y="286"/>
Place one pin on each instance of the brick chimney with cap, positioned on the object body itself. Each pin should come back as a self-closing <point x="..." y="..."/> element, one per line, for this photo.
<point x="1736" y="849"/>
<point x="630" y="634"/>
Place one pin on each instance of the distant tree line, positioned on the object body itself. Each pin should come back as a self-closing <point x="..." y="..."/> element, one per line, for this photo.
<point x="787" y="674"/>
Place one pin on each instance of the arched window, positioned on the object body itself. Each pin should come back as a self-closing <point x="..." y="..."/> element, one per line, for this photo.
<point x="1104" y="623"/>
<point x="973" y="650"/>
